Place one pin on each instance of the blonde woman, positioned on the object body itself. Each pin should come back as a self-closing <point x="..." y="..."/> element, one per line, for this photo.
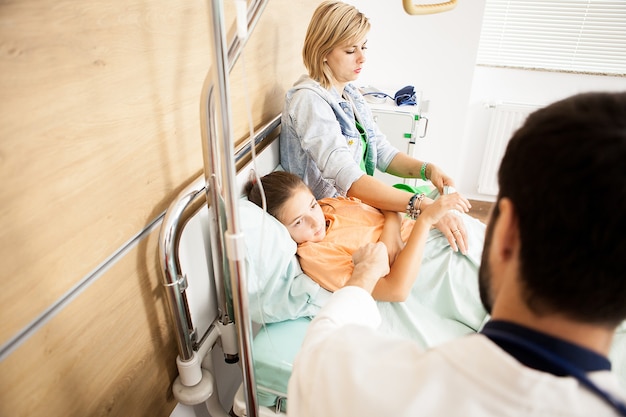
<point x="328" y="135"/>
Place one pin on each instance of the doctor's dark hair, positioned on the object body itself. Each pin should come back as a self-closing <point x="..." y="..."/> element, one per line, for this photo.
<point x="333" y="24"/>
<point x="565" y="172"/>
<point x="278" y="187"/>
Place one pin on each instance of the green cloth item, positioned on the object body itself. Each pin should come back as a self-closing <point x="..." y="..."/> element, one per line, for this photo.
<point x="274" y="348"/>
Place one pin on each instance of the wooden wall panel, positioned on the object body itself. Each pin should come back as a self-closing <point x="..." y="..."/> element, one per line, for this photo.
<point x="99" y="122"/>
<point x="110" y="352"/>
<point x="99" y="131"/>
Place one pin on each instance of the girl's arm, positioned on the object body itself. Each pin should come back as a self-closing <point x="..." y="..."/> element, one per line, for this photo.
<point x="397" y="284"/>
<point x="390" y="235"/>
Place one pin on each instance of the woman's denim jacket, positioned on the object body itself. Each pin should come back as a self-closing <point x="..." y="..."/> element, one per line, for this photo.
<point x="319" y="140"/>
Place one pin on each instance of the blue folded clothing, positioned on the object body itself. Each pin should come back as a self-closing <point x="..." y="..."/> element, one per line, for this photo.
<point x="405" y="96"/>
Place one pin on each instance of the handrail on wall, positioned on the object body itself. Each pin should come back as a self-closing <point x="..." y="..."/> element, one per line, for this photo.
<point x="431" y="8"/>
<point x="220" y="175"/>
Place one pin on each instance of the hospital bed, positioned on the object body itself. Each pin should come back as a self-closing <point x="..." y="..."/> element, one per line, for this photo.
<point x="280" y="299"/>
<point x="226" y="297"/>
<point x="277" y="329"/>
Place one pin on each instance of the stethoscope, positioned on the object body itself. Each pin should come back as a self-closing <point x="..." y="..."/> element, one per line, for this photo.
<point x="558" y="362"/>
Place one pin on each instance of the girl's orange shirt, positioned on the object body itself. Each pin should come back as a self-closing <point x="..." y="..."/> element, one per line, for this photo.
<point x="350" y="224"/>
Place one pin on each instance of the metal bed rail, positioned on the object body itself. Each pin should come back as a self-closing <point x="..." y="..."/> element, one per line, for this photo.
<point x="187" y="204"/>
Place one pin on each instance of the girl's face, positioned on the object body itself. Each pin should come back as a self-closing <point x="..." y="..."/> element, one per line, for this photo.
<point x="303" y="217"/>
<point x="346" y="62"/>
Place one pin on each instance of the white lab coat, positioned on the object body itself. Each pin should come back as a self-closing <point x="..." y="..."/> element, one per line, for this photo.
<point x="346" y="368"/>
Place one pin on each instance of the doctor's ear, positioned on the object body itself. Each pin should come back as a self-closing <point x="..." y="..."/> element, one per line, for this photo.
<point x="505" y="239"/>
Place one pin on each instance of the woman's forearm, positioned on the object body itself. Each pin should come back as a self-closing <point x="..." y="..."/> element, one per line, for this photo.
<point x="377" y="194"/>
<point x="405" y="166"/>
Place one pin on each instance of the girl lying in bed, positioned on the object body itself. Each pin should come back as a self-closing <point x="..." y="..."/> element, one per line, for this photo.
<point x="328" y="231"/>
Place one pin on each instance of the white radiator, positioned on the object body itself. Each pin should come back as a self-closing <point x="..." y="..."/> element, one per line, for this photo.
<point x="505" y="119"/>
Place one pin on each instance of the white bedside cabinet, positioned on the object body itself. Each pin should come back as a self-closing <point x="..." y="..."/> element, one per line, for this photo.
<point x="405" y="128"/>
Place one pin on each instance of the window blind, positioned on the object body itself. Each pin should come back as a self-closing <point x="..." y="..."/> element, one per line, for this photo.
<point x="587" y="36"/>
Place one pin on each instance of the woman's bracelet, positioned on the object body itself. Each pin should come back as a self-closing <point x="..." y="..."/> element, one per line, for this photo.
<point x="423" y="171"/>
<point x="412" y="211"/>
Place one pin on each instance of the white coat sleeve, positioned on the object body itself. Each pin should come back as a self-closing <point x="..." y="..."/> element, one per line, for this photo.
<point x="346" y="366"/>
<point x="347" y="306"/>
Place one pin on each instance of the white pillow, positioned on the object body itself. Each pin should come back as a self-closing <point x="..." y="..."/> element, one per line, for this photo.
<point x="278" y="290"/>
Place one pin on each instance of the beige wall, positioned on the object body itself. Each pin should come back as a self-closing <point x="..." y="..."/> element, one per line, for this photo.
<point x="99" y="130"/>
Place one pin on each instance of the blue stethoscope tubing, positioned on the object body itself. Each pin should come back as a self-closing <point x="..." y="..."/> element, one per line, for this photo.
<point x="563" y="365"/>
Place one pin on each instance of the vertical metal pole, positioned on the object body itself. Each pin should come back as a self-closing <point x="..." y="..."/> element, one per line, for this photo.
<point x="235" y="248"/>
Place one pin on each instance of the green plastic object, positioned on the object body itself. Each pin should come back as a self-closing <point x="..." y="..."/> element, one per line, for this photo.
<point x="426" y="189"/>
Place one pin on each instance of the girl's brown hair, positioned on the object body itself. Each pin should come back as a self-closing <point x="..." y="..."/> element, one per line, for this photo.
<point x="278" y="187"/>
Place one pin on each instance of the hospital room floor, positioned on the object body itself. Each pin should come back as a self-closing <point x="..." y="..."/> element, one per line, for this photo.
<point x="480" y="210"/>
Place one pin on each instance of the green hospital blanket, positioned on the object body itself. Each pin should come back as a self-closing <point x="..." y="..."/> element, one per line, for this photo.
<point x="444" y="304"/>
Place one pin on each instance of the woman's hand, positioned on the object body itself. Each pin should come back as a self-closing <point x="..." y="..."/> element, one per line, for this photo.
<point x="451" y="225"/>
<point x="438" y="178"/>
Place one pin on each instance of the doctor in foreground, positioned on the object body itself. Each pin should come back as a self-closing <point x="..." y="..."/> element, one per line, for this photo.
<point x="552" y="276"/>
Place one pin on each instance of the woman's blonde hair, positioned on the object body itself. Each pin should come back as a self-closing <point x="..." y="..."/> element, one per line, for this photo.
<point x="333" y="24"/>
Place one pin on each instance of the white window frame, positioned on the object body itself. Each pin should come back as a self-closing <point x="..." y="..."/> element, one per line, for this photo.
<point x="580" y="36"/>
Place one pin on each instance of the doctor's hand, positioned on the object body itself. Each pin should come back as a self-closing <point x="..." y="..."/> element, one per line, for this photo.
<point x="371" y="263"/>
